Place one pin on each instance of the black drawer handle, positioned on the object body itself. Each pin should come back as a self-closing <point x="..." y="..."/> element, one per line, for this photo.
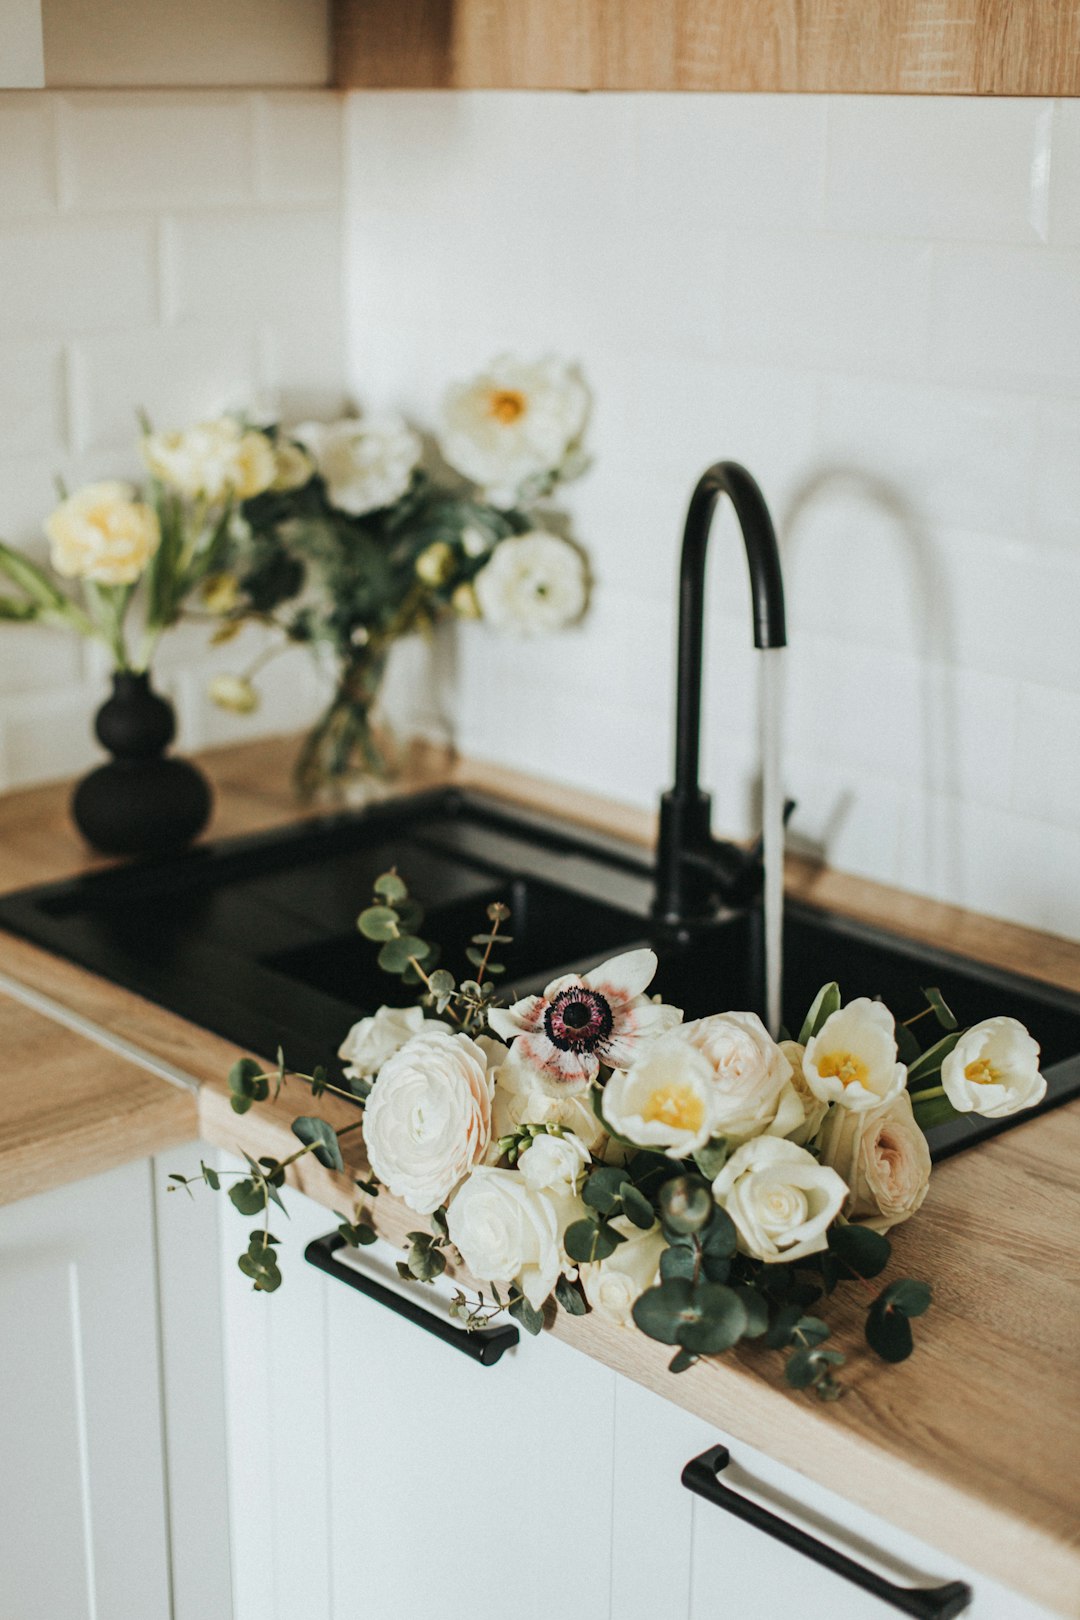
<point x="925" y="1603"/>
<point x="484" y="1345"/>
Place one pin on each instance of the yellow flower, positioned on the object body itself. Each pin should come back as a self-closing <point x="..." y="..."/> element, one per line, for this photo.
<point x="221" y="593"/>
<point x="233" y="692"/>
<point x="435" y="564"/>
<point x="218" y="460"/>
<point x="101" y="533"/>
<point x="464" y="603"/>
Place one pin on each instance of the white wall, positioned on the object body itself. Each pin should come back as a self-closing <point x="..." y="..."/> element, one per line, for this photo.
<point x="872" y="302"/>
<point x="170" y="251"/>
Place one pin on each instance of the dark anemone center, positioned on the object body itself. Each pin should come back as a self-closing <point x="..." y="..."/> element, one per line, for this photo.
<point x="577" y="1015"/>
<point x="578" y="1020"/>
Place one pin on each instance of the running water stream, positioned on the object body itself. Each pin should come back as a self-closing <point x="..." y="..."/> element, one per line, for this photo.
<point x="772" y="695"/>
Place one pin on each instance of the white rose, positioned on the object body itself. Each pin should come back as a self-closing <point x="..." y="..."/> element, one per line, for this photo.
<point x="506" y="1232"/>
<point x="365" y="464"/>
<point x="427" y="1120"/>
<point x="554" y="1163"/>
<point x="882" y="1155"/>
<point x="781" y="1199"/>
<point x="751" y="1076"/>
<point x="217" y="461"/>
<point x="993" y="1070"/>
<point x="533" y="584"/>
<point x="370" y="1042"/>
<point x="667" y="1100"/>
<point x="514" y="423"/>
<point x="520" y="1101"/>
<point x="852" y="1060"/>
<point x="613" y="1285"/>
<point x="814" y="1110"/>
<point x="102" y="533"/>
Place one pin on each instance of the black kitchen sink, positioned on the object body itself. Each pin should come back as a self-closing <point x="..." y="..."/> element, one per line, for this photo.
<point x="256" y="939"/>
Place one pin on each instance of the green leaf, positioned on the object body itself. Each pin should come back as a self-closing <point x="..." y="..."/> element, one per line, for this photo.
<point x="246" y="1079"/>
<point x="782" y="1327"/>
<point x="704" y="1320"/>
<point x="934" y="1111"/>
<point x="322" y="1138"/>
<point x="805" y="1369"/>
<point x="210" y="1176"/>
<point x="602" y="1189"/>
<point x="825" y="1003"/>
<point x="908" y="1048"/>
<point x="929" y="1065"/>
<point x="686" y="1205"/>
<point x="712" y="1158"/>
<point x="907" y="1295"/>
<point x="941" y="1009"/>
<point x="861" y="1250"/>
<point x="425" y="1264"/>
<point x="756" y="1307"/>
<point x="811" y="1330"/>
<point x="396" y="953"/>
<point x="248" y="1197"/>
<point x="681" y="1361"/>
<point x="520" y="1309"/>
<point x="441" y="983"/>
<point x="659" y="1311"/>
<point x="888" y="1333"/>
<point x="720" y="1238"/>
<point x="636" y="1207"/>
<point x="475" y="957"/>
<point x="390" y="887"/>
<point x="589" y="1240"/>
<point x="678" y="1261"/>
<point x="570" y="1298"/>
<point x="378" y="922"/>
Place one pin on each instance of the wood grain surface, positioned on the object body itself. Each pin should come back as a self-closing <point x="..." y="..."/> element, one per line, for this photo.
<point x="973" y="1444"/>
<point x="936" y="47"/>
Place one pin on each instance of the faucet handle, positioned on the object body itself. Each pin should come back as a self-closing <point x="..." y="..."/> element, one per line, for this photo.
<point x="739" y="872"/>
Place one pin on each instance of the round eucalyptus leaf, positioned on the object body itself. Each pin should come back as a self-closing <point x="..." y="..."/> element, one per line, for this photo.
<point x="378" y="922"/>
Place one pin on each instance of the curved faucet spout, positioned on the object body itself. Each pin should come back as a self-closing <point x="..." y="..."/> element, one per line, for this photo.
<point x="694" y="870"/>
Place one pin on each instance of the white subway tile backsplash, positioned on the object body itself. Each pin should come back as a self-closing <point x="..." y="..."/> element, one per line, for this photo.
<point x="35" y="658"/>
<point x="27" y="154"/>
<point x="298" y="148"/>
<point x="32" y="398"/>
<point x="49" y="735"/>
<point x="153" y="149"/>
<point x="1007" y="316"/>
<point x="69" y="275"/>
<point x="846" y="302"/>
<point x="1065" y="175"/>
<point x="1047" y="776"/>
<point x="1056" y="480"/>
<point x="1009" y="609"/>
<point x="246" y="265"/>
<point x="177" y="375"/>
<point x="934" y="167"/>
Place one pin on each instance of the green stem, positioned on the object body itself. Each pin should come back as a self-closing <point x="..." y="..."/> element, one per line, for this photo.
<point x="924" y="1096"/>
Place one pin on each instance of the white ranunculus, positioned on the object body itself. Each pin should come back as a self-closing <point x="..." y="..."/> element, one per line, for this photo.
<point x="515" y="423"/>
<point x="519" y="1100"/>
<point x="994" y="1070"/>
<point x="427" y="1120"/>
<point x="852" y="1060"/>
<point x="814" y="1110"/>
<point x="613" y="1285"/>
<point x="781" y="1199"/>
<point x="102" y="533"/>
<point x="882" y="1155"/>
<point x="533" y="584"/>
<point x="554" y="1163"/>
<point x="366" y="464"/>
<point x="506" y="1232"/>
<point x="216" y="461"/>
<point x="751" y="1076"/>
<point x="668" y="1099"/>
<point x="370" y="1042"/>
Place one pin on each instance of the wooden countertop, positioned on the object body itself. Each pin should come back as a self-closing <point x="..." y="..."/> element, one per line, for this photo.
<point x="974" y="1444"/>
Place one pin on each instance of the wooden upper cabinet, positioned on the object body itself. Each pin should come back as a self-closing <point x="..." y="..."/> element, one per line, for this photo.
<point x="916" y="47"/>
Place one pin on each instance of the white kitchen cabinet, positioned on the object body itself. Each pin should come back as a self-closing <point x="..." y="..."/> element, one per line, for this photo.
<point x="83" y="1522"/>
<point x="22" y="59"/>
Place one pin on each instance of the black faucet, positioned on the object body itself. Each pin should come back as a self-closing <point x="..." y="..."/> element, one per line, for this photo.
<point x="695" y="872"/>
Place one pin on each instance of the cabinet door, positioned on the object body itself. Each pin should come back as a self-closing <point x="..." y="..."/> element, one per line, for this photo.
<point x="82" y="1498"/>
<point x="678" y="1555"/>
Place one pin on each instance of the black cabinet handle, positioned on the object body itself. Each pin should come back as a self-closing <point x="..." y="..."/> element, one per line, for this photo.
<point x="925" y="1603"/>
<point x="484" y="1345"/>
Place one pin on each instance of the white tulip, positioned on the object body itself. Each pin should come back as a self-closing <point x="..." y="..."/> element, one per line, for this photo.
<point x="882" y="1155"/>
<point x="852" y="1060"/>
<point x="427" y="1120"/>
<point x="668" y="1099"/>
<point x="751" y="1076"/>
<point x="514" y="423"/>
<point x="534" y="583"/>
<point x="506" y="1232"/>
<point x="373" y="1040"/>
<point x="613" y="1285"/>
<point x="366" y="464"/>
<point x="781" y="1199"/>
<point x="993" y="1070"/>
<point x="814" y="1110"/>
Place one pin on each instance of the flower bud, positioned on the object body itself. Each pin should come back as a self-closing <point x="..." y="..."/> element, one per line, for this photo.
<point x="686" y="1204"/>
<point x="435" y="563"/>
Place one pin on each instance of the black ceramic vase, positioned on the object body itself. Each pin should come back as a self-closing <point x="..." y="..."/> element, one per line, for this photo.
<point x="140" y="803"/>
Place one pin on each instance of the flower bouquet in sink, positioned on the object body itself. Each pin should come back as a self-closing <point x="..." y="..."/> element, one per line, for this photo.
<point x="362" y="544"/>
<point x="588" y="1150"/>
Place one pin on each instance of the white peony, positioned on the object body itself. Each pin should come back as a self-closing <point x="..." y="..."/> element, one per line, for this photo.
<point x="370" y="1042"/>
<point x="365" y="464"/>
<point x="554" y="1163"/>
<point x="215" y="461"/>
<point x="852" y="1060"/>
<point x="668" y="1100"/>
<point x="882" y="1155"/>
<point x="751" y="1076"/>
<point x="515" y="423"/>
<point x="613" y="1285"/>
<point x="781" y="1199"/>
<point x="533" y="584"/>
<point x="427" y="1120"/>
<point x="993" y="1070"/>
<point x="506" y="1232"/>
<point x="102" y="533"/>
